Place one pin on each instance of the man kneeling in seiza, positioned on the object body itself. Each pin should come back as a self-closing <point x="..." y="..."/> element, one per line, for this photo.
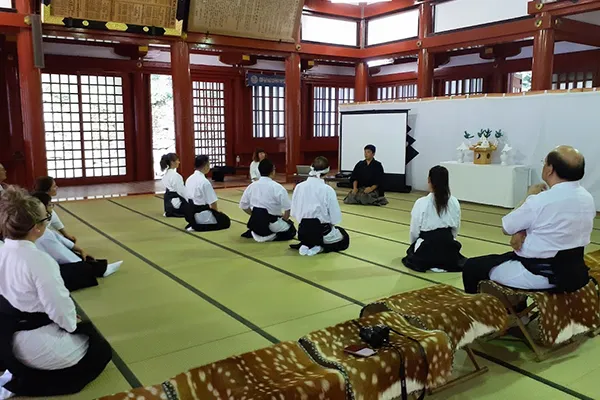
<point x="264" y="200"/>
<point x="201" y="211"/>
<point x="549" y="232"/>
<point x="315" y="206"/>
<point x="367" y="181"/>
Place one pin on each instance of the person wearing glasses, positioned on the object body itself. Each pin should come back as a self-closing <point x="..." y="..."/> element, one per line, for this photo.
<point x="268" y="204"/>
<point x="48" y="185"/>
<point x="44" y="349"/>
<point x="78" y="269"/>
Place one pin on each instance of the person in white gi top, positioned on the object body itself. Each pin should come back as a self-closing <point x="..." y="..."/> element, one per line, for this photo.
<point x="78" y="269"/>
<point x="257" y="157"/>
<point x="550" y="230"/>
<point x="47" y="184"/>
<point x="268" y="204"/>
<point x="316" y="208"/>
<point x="44" y="350"/>
<point x="202" y="213"/>
<point x="173" y="183"/>
<point x="434" y="224"/>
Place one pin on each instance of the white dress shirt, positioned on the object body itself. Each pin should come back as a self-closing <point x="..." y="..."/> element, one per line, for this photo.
<point x="254" y="172"/>
<point x="30" y="280"/>
<point x="272" y="196"/>
<point x="560" y="218"/>
<point x="55" y="222"/>
<point x="424" y="217"/>
<point x="58" y="247"/>
<point x="173" y="181"/>
<point x="200" y="191"/>
<point x="314" y="198"/>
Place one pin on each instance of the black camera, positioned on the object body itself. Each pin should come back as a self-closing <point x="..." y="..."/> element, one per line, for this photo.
<point x="375" y="336"/>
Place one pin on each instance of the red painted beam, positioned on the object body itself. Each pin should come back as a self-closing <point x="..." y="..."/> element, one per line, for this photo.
<point x="563" y="7"/>
<point x="333" y="9"/>
<point x="493" y="34"/>
<point x="374" y="10"/>
<point x="10" y="21"/>
<point x="577" y="31"/>
<point x="293" y="117"/>
<point x="222" y="41"/>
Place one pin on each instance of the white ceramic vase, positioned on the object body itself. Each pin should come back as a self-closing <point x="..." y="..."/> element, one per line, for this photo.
<point x="504" y="158"/>
<point x="460" y="156"/>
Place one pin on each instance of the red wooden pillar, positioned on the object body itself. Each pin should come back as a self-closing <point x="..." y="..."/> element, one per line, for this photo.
<point x="144" y="170"/>
<point x="361" y="82"/>
<point x="30" y="83"/>
<point x="543" y="60"/>
<point x="183" y="107"/>
<point x="293" y="110"/>
<point x="425" y="64"/>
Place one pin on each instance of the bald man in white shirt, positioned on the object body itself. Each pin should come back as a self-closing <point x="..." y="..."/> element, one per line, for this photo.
<point x="268" y="204"/>
<point x="550" y="230"/>
<point x="316" y="208"/>
<point x="201" y="212"/>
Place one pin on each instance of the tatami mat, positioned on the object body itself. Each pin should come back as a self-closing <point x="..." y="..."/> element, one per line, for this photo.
<point x="186" y="299"/>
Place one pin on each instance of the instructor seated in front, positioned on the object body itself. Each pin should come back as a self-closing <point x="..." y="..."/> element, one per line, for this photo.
<point x="549" y="232"/>
<point x="367" y="178"/>
<point x="265" y="200"/>
<point x="201" y="212"/>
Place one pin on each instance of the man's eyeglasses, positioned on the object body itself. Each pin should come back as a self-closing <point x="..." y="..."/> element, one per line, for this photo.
<point x="47" y="219"/>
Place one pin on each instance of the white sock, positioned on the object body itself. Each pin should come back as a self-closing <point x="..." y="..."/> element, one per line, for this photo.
<point x="314" y="251"/>
<point x="190" y="229"/>
<point x="4" y="379"/>
<point x="303" y="250"/>
<point x="164" y="214"/>
<point x="112" y="268"/>
<point x="438" y="270"/>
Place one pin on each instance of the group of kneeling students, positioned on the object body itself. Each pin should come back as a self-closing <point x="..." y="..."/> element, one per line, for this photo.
<point x="46" y="350"/>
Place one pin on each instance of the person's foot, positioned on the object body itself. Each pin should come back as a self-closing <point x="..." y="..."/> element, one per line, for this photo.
<point x="247" y="234"/>
<point x="164" y="214"/>
<point x="314" y="251"/>
<point x="295" y="246"/>
<point x="437" y="270"/>
<point x="189" y="229"/>
<point x="304" y="250"/>
<point x="112" y="268"/>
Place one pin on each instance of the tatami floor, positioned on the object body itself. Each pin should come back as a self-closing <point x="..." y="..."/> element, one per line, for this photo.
<point x="186" y="299"/>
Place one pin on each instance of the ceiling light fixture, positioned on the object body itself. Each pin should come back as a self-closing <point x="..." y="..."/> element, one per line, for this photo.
<point x="379" y="63"/>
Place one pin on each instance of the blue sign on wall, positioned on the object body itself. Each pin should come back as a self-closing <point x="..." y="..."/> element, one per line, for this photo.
<point x="253" y="79"/>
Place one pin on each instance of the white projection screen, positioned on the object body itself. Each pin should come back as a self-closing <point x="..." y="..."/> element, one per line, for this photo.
<point x="385" y="129"/>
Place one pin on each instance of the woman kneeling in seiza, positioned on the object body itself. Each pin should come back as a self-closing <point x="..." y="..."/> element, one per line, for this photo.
<point x="433" y="228"/>
<point x="173" y="183"/>
<point x="79" y="271"/>
<point x="201" y="211"/>
<point x="315" y="206"/>
<point x="264" y="200"/>
<point x="43" y="349"/>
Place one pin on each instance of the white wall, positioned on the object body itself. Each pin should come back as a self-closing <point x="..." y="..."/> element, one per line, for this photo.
<point x="459" y="14"/>
<point x="534" y="125"/>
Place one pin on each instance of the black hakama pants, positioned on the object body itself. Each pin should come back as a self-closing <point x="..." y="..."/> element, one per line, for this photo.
<point x="28" y="381"/>
<point x="438" y="249"/>
<point x="311" y="233"/>
<point x="259" y="224"/>
<point x="223" y="221"/>
<point x="82" y="274"/>
<point x="170" y="210"/>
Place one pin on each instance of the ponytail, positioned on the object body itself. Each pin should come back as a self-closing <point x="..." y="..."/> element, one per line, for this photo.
<point x="166" y="160"/>
<point x="438" y="177"/>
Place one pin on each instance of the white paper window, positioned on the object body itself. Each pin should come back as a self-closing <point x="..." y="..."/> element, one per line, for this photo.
<point x="6" y="4"/>
<point x="329" y="30"/>
<point x="394" y="27"/>
<point x="458" y="14"/>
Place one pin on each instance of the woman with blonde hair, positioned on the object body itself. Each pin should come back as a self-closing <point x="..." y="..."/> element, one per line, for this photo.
<point x="43" y="349"/>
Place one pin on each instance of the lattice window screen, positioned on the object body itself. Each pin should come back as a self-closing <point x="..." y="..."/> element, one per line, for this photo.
<point x="268" y="112"/>
<point x="84" y="126"/>
<point x="463" y="86"/>
<point x="209" y="120"/>
<point x="397" y="92"/>
<point x="326" y="102"/>
<point x="573" y="80"/>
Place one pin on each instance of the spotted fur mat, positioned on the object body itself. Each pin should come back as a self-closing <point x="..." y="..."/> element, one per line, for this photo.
<point x="378" y="376"/>
<point x="283" y="371"/>
<point x="561" y="316"/>
<point x="462" y="316"/>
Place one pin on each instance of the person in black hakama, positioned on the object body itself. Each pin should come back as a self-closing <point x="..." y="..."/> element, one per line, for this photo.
<point x="549" y="233"/>
<point x="175" y="188"/>
<point x="265" y="200"/>
<point x="201" y="211"/>
<point x="367" y="181"/>
<point x="315" y="206"/>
